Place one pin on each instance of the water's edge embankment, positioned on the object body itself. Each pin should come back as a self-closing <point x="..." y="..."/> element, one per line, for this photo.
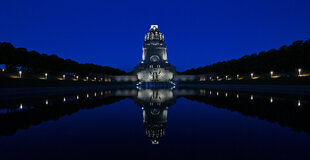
<point x="38" y="91"/>
<point x="279" y="89"/>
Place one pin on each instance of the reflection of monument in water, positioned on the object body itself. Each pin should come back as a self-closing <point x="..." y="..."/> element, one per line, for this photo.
<point x="154" y="66"/>
<point x="155" y="105"/>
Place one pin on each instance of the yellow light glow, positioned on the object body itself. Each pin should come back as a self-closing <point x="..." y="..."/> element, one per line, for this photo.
<point x="304" y="75"/>
<point x="13" y="76"/>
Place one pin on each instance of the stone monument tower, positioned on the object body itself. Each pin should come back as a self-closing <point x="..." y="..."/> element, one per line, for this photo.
<point x="154" y="66"/>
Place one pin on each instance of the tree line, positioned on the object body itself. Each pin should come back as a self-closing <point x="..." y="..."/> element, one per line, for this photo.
<point x="285" y="59"/>
<point x="32" y="61"/>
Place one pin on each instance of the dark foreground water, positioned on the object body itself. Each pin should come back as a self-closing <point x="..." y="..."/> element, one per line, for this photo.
<point x="156" y="124"/>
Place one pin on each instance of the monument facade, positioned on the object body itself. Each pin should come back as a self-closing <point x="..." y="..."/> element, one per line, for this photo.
<point x="154" y="66"/>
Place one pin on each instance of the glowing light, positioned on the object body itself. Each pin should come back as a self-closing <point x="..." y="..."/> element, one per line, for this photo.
<point x="87" y="95"/>
<point x="237" y="76"/>
<point x="77" y="77"/>
<point x="252" y="97"/>
<point x="298" y="103"/>
<point x="95" y="94"/>
<point x="87" y="78"/>
<point x="299" y="72"/>
<point x="237" y="95"/>
<point x="101" y="79"/>
<point x="95" y="78"/>
<point x="226" y="94"/>
<point x="252" y="74"/>
<point x="77" y="97"/>
<point x="271" y="99"/>
<point x="271" y="74"/>
<point x="64" y="99"/>
<point x="46" y="102"/>
<point x="63" y="77"/>
<point x="210" y="78"/>
<point x="20" y="74"/>
<point x="210" y="92"/>
<point x="101" y="93"/>
<point x="226" y="77"/>
<point x="21" y="106"/>
<point x="217" y="93"/>
<point x="45" y="75"/>
<point x="3" y="70"/>
<point x="217" y="77"/>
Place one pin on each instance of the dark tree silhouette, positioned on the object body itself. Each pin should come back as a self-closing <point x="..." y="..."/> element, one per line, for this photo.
<point x="35" y="62"/>
<point x="284" y="59"/>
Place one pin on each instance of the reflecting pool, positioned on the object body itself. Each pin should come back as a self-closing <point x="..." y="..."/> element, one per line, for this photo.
<point x="156" y="124"/>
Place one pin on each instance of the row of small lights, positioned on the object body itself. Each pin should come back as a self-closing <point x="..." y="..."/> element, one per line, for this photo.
<point x="63" y="76"/>
<point x="217" y="77"/>
<point x="217" y="94"/>
<point x="65" y="99"/>
<point x="252" y="97"/>
<point x="252" y="75"/>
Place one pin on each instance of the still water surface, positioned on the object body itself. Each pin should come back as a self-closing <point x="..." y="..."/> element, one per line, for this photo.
<point x="156" y="124"/>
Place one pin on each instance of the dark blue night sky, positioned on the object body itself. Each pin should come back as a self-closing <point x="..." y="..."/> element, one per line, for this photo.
<point x="111" y="33"/>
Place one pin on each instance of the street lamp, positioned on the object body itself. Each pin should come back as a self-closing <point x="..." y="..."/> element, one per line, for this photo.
<point x="299" y="72"/>
<point x="87" y="78"/>
<point x="217" y="77"/>
<point x="77" y="77"/>
<point x="45" y="75"/>
<point x="95" y="78"/>
<point x="237" y="76"/>
<point x="20" y="74"/>
<point x="271" y="74"/>
<point x="226" y="77"/>
<point x="63" y="77"/>
<point x="252" y="74"/>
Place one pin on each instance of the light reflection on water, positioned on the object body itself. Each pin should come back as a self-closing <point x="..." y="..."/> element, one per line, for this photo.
<point x="287" y="111"/>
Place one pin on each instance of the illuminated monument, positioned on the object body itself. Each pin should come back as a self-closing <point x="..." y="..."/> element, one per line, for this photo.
<point x="154" y="69"/>
<point x="154" y="66"/>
